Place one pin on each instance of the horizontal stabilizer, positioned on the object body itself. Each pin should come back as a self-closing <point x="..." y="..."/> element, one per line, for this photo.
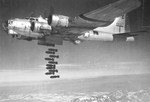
<point x="129" y="34"/>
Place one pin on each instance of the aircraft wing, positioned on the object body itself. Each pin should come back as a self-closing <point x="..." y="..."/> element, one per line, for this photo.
<point x="105" y="15"/>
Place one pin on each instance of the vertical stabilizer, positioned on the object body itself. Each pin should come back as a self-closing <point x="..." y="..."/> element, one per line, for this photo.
<point x="116" y="27"/>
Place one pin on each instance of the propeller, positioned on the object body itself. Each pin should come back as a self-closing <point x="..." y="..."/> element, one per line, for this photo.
<point x="50" y="15"/>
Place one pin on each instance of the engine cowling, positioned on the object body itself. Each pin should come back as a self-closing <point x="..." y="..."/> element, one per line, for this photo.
<point x="58" y="20"/>
<point x="77" y="42"/>
<point x="16" y="36"/>
<point x="13" y="34"/>
<point x="130" y="39"/>
<point x="10" y="31"/>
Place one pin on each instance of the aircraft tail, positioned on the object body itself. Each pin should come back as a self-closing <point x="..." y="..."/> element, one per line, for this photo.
<point x="119" y="25"/>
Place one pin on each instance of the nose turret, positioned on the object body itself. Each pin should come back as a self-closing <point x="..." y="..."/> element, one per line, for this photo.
<point x="7" y="26"/>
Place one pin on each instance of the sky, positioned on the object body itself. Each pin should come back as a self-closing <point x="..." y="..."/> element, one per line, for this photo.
<point x="24" y="61"/>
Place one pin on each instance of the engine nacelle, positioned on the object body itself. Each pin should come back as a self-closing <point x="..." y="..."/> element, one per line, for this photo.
<point x="77" y="42"/>
<point x="10" y="31"/>
<point x="58" y="20"/>
<point x="14" y="34"/>
<point x="45" y="27"/>
<point x="130" y="39"/>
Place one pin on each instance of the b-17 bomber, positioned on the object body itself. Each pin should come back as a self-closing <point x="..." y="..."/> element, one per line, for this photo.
<point x="108" y="23"/>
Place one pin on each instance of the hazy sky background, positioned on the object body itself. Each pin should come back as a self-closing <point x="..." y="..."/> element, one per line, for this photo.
<point x="24" y="61"/>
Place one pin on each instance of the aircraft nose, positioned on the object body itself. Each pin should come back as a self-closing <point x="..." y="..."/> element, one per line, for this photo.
<point x="5" y="26"/>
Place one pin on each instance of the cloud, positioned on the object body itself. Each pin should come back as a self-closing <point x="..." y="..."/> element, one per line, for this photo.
<point x="76" y="71"/>
<point x="21" y="75"/>
<point x="38" y="97"/>
<point x="69" y="65"/>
